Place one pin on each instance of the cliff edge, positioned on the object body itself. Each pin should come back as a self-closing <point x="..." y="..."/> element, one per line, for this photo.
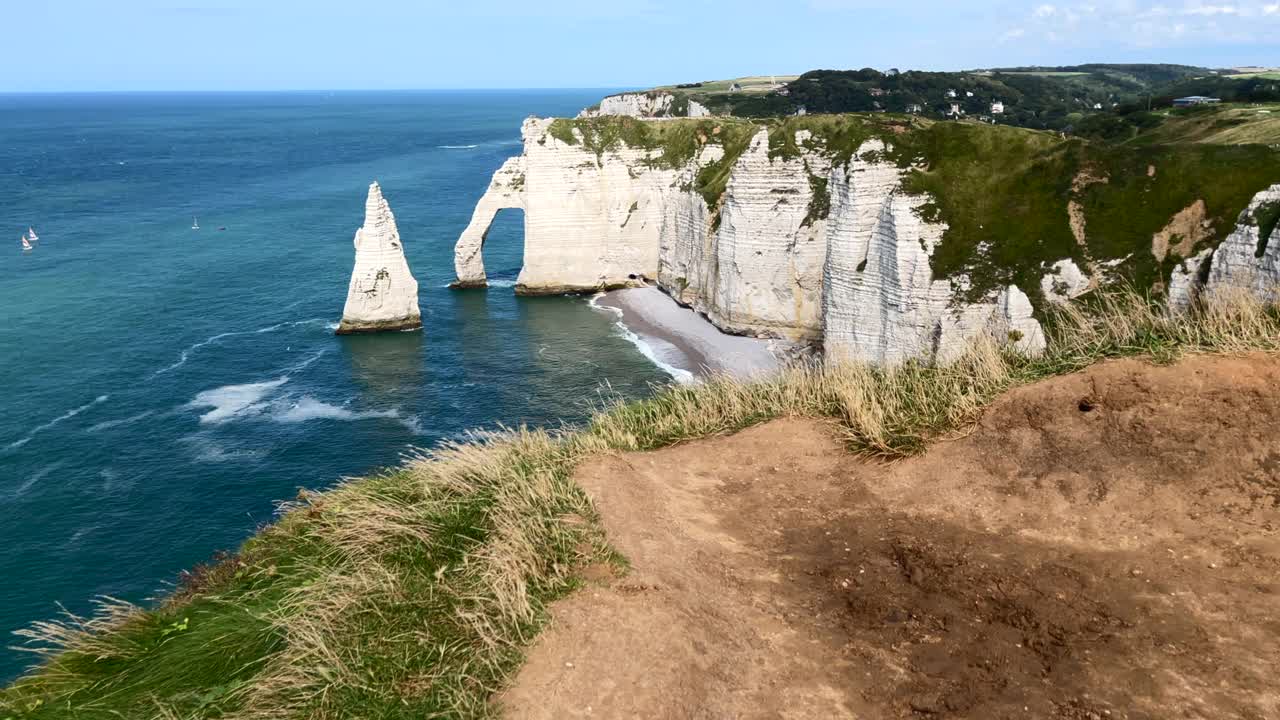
<point x="1108" y="562"/>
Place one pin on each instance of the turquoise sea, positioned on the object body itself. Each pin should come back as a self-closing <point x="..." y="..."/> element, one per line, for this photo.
<point x="162" y="388"/>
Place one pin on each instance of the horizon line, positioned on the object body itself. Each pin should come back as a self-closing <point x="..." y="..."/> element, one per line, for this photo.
<point x="304" y="90"/>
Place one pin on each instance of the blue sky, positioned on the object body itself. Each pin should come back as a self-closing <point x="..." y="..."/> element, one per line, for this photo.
<point x="60" y="45"/>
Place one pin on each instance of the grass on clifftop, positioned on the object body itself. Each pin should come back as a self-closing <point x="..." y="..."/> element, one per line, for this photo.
<point x="415" y="593"/>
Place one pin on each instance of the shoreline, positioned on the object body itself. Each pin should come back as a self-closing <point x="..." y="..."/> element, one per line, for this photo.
<point x="682" y="342"/>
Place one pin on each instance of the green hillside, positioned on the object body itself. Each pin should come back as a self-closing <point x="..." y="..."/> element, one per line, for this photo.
<point x="1034" y="97"/>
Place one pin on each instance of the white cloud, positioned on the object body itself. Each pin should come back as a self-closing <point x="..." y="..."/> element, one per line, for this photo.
<point x="1210" y="10"/>
<point x="1146" y="24"/>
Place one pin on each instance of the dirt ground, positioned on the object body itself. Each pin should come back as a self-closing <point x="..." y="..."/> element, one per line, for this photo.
<point x="1102" y="545"/>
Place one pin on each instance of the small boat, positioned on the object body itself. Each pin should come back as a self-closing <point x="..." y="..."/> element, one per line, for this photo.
<point x="31" y="235"/>
<point x="26" y="244"/>
<point x="195" y="224"/>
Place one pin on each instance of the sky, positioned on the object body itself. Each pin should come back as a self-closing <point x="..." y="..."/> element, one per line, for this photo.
<point x="126" y="45"/>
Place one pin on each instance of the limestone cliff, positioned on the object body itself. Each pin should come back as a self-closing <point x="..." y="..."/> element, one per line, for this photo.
<point x="1250" y="256"/>
<point x="831" y="237"/>
<point x="649" y="104"/>
<point x="383" y="294"/>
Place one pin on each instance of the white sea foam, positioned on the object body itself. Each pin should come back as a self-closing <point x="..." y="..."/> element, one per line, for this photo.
<point x="680" y="375"/>
<point x="308" y="408"/>
<point x="230" y="401"/>
<point x="457" y="147"/>
<point x="105" y="425"/>
<point x="45" y="426"/>
<point x="490" y="283"/>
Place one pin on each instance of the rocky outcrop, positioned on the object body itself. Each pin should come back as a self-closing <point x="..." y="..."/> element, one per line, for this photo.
<point x="1240" y="261"/>
<point x="1064" y="281"/>
<point x="383" y="294"/>
<point x="782" y="240"/>
<point x="652" y="104"/>
<point x="881" y="303"/>
<point x="639" y="105"/>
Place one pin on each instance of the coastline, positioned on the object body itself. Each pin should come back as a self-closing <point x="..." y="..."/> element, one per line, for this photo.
<point x="682" y="342"/>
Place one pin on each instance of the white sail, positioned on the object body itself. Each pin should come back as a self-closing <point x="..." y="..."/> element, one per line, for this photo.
<point x="26" y="244"/>
<point x="31" y="233"/>
<point x="195" y="224"/>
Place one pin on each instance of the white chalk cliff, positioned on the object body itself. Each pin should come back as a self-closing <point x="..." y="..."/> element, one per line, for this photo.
<point x="383" y="294"/>
<point x="856" y="279"/>
<point x="650" y="104"/>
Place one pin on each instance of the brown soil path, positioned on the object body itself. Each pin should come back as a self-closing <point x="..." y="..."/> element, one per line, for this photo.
<point x="1102" y="545"/>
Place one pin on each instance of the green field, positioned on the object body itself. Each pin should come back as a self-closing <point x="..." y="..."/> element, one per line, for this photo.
<point x="751" y="83"/>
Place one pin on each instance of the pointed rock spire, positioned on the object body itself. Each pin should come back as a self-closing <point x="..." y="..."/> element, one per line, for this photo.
<point x="383" y="294"/>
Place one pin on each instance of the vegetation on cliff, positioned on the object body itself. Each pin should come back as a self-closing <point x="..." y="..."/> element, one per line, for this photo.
<point x="1215" y="124"/>
<point x="1014" y="201"/>
<point x="414" y="593"/>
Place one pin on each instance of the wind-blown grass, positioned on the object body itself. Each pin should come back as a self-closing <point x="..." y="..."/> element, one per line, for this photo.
<point x="414" y="593"/>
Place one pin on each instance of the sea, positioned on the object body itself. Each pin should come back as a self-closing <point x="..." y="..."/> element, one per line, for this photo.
<point x="163" y="388"/>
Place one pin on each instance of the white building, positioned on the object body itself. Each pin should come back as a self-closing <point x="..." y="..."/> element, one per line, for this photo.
<point x="951" y="93"/>
<point x="997" y="107"/>
<point x="955" y="109"/>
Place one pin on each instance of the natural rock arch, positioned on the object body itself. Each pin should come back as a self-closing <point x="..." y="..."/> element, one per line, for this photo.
<point x="506" y="191"/>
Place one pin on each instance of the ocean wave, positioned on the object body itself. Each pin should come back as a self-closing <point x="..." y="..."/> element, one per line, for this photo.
<point x="457" y="147"/>
<point x="230" y="401"/>
<point x="289" y="371"/>
<point x="678" y="374"/>
<point x="45" y="426"/>
<point x="208" y="450"/>
<point x="36" y="477"/>
<point x="212" y="339"/>
<point x="107" y="424"/>
<point x="78" y="534"/>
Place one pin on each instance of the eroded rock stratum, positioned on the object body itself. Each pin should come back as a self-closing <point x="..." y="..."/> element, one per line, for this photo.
<point x="880" y="239"/>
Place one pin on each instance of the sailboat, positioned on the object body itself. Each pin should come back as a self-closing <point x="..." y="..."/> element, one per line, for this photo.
<point x="32" y="236"/>
<point x="26" y="244"/>
<point x="195" y="224"/>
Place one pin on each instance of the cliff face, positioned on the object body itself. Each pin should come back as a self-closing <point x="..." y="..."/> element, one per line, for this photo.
<point x="649" y="104"/>
<point x="383" y="294"/>
<point x="779" y="232"/>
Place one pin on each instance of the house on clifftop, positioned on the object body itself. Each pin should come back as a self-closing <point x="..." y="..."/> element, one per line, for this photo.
<point x="1191" y="100"/>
